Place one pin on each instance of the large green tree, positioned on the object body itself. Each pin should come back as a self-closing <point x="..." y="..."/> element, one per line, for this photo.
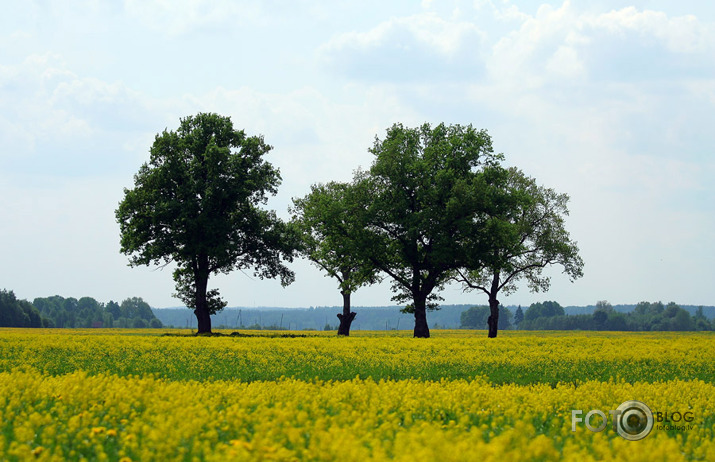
<point x="196" y="204"/>
<point x="526" y="235"/>
<point x="327" y="218"/>
<point x="424" y="198"/>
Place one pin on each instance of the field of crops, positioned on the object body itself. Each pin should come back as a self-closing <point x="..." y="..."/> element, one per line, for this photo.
<point x="141" y="395"/>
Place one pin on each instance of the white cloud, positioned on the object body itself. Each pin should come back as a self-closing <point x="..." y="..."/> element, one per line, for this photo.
<point x="565" y="42"/>
<point x="58" y="121"/>
<point x="684" y="34"/>
<point x="179" y="17"/>
<point x="413" y="48"/>
<point x="565" y="63"/>
<point x="27" y="90"/>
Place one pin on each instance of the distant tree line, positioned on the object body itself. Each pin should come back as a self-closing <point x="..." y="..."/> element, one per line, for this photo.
<point x="57" y="311"/>
<point x="313" y="318"/>
<point x="646" y="316"/>
<point x="19" y="313"/>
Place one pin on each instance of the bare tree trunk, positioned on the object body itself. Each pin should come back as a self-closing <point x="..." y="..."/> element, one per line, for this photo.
<point x="493" y="320"/>
<point x="421" y="327"/>
<point x="346" y="317"/>
<point x="203" y="317"/>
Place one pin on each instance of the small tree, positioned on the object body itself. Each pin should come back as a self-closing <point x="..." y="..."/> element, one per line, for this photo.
<point x="196" y="204"/>
<point x="700" y="320"/>
<point x="525" y="235"/>
<point x="603" y="305"/>
<point x="136" y="307"/>
<point x="518" y="316"/>
<point x="327" y="219"/>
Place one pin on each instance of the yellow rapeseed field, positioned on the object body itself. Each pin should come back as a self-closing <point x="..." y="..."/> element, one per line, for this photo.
<point x="137" y="395"/>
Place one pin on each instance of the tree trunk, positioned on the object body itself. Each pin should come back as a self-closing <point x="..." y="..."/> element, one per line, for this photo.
<point x="347" y="316"/>
<point x="203" y="317"/>
<point x="421" y="327"/>
<point x="493" y="320"/>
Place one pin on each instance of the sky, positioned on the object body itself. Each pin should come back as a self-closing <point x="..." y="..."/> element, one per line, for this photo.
<point x="612" y="103"/>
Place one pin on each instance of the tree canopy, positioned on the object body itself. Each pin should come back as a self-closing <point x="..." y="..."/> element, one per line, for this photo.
<point x="526" y="234"/>
<point x="19" y="313"/>
<point x="423" y="201"/>
<point x="196" y="204"/>
<point x="543" y="310"/>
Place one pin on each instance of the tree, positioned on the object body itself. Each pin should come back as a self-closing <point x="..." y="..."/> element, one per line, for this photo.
<point x="603" y="305"/>
<point x="543" y="310"/>
<point x="474" y="317"/>
<point x="136" y="308"/>
<point x="526" y="235"/>
<point x="701" y="322"/>
<point x="678" y="318"/>
<point x="113" y="309"/>
<point x="646" y="308"/>
<point x="518" y="316"/>
<point x="599" y="318"/>
<point x="421" y="201"/>
<point x="18" y="313"/>
<point x="196" y="204"/>
<point x="506" y="318"/>
<point x="326" y="219"/>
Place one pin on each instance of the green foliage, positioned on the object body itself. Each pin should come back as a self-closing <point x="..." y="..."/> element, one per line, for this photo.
<point x="18" y="313"/>
<point x="518" y="316"/>
<point x="525" y="234"/>
<point x="196" y="204"/>
<point x="88" y="312"/>
<point x="476" y="318"/>
<point x="422" y="203"/>
<point x="113" y="308"/>
<point x="645" y="308"/>
<point x="136" y="308"/>
<point x="604" y="306"/>
<point x="328" y="219"/>
<point x="645" y="317"/>
<point x="543" y="310"/>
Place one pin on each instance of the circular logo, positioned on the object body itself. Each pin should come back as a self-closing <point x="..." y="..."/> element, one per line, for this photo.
<point x="634" y="420"/>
